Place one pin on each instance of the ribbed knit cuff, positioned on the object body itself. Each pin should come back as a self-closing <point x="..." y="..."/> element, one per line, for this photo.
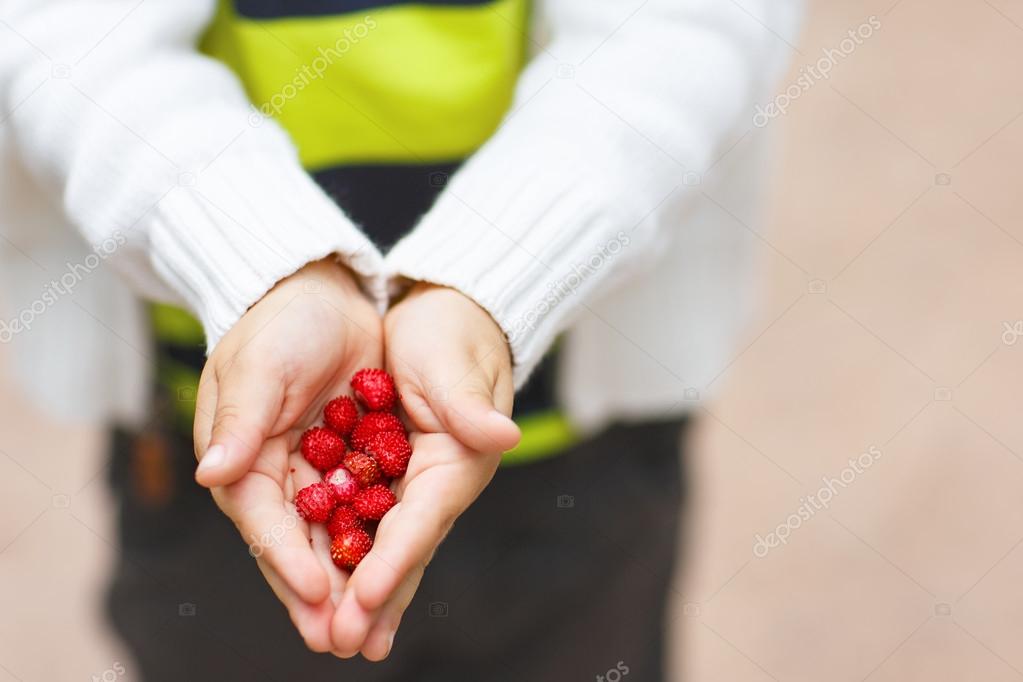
<point x="224" y="238"/>
<point x="528" y="244"/>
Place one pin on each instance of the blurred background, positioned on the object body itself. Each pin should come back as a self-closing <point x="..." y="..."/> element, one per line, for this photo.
<point x="886" y="334"/>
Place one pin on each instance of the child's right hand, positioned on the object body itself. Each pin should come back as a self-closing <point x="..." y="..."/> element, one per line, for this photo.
<point x="265" y="382"/>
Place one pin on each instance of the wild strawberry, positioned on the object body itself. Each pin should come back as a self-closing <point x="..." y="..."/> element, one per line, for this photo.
<point x="363" y="467"/>
<point x="341" y="414"/>
<point x="373" y="502"/>
<point x="343" y="483"/>
<point x="315" y="502"/>
<point x="375" y="389"/>
<point x="322" y="448"/>
<point x="371" y="424"/>
<point x="343" y="518"/>
<point x="350" y="547"/>
<point x="392" y="451"/>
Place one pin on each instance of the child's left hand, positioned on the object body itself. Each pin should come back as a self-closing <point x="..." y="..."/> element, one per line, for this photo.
<point x="452" y="367"/>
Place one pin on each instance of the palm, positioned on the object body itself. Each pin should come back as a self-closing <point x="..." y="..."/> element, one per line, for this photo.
<point x="313" y="347"/>
<point x="294" y="558"/>
<point x="266" y="382"/>
<point x="291" y="554"/>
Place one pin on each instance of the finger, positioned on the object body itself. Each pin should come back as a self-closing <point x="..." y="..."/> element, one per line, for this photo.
<point x="380" y="640"/>
<point x="278" y="536"/>
<point x="353" y="619"/>
<point x="337" y="577"/>
<point x="311" y="620"/>
<point x="248" y="404"/>
<point x="433" y="497"/>
<point x="458" y="396"/>
<point x="350" y="626"/>
<point x="469" y="413"/>
<point x="406" y="545"/>
<point x="205" y="409"/>
<point x="463" y="395"/>
<point x="273" y="529"/>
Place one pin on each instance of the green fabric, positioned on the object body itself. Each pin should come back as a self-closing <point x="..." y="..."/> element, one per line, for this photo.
<point x="544" y="434"/>
<point x="180" y="383"/>
<point x="405" y="83"/>
<point x="174" y="325"/>
<point x="400" y="84"/>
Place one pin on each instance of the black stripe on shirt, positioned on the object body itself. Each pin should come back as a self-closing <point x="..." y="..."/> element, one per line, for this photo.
<point x="387" y="201"/>
<point x="279" y="9"/>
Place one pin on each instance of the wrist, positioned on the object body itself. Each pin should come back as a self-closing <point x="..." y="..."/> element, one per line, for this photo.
<point x="326" y="275"/>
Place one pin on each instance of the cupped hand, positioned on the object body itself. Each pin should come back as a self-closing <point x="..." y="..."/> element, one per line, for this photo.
<point x="452" y="367"/>
<point x="267" y="381"/>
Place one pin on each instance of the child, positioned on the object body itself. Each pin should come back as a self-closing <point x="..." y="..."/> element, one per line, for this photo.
<point x="553" y="235"/>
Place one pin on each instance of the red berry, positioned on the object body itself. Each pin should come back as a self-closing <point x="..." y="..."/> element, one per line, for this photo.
<point x="371" y="424"/>
<point x="375" y="389"/>
<point x="392" y="451"/>
<point x="373" y="502"/>
<point x="322" y="448"/>
<point x="343" y="518"/>
<point x="315" y="502"/>
<point x="341" y="414"/>
<point x="363" y="467"/>
<point x="343" y="483"/>
<point x="350" y="547"/>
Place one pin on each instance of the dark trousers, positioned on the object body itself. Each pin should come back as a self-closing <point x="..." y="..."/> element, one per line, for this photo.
<point x="560" y="571"/>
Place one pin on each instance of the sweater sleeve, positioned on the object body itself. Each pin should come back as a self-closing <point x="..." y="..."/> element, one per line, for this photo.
<point x="589" y="168"/>
<point x="154" y="148"/>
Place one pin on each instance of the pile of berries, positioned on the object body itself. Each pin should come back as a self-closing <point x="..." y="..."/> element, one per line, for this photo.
<point x="355" y="490"/>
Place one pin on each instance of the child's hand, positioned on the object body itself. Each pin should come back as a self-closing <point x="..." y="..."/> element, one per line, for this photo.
<point x="452" y="366"/>
<point x="443" y="479"/>
<point x="266" y="381"/>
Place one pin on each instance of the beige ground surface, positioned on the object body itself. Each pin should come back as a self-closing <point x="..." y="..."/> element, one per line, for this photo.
<point x="899" y="189"/>
<point x="893" y="259"/>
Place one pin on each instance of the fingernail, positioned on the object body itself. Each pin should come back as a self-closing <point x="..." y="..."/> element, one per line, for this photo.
<point x="213" y="459"/>
<point x="496" y="417"/>
<point x="500" y="421"/>
<point x="390" y="642"/>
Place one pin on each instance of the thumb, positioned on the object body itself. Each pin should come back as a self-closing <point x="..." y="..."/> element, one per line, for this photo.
<point x="469" y="413"/>
<point x="247" y="407"/>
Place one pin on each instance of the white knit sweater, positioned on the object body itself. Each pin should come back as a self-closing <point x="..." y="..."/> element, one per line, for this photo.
<point x="588" y="211"/>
